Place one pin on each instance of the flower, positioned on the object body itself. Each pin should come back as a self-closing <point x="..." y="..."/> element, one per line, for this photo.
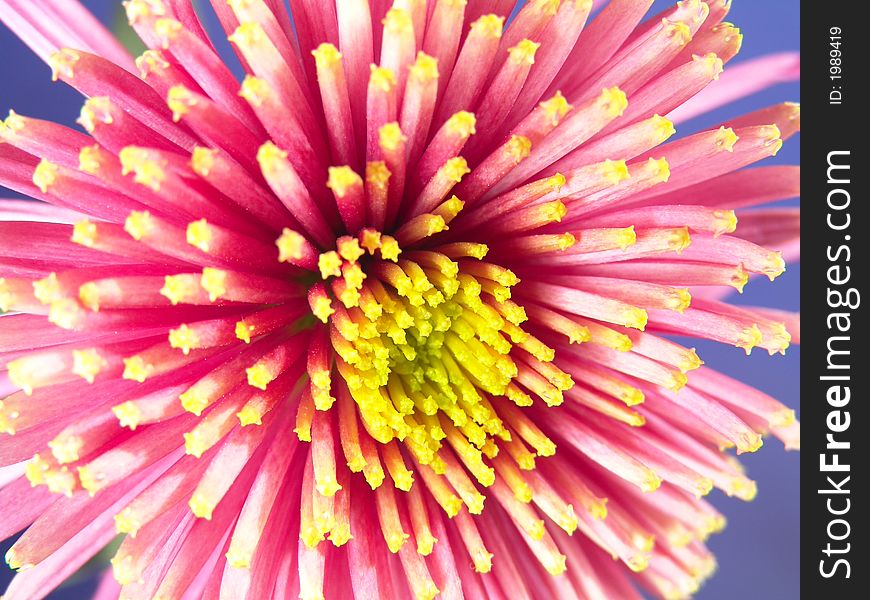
<point x="389" y="318"/>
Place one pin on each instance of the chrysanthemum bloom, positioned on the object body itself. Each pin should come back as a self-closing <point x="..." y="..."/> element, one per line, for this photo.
<point x="389" y="319"/>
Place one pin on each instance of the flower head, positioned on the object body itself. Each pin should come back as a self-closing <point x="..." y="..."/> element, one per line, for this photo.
<point x="389" y="317"/>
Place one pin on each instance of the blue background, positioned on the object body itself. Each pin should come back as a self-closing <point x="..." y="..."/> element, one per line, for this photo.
<point x="758" y="553"/>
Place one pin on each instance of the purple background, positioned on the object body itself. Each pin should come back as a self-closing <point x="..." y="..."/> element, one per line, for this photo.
<point x="758" y="552"/>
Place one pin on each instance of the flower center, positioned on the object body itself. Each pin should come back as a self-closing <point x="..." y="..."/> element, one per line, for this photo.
<point x="425" y="341"/>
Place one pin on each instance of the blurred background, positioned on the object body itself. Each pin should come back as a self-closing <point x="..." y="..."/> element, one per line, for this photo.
<point x="758" y="552"/>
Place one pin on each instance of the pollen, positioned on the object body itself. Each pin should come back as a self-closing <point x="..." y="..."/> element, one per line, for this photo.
<point x="180" y="100"/>
<point x="128" y="414"/>
<point x="89" y="295"/>
<point x="450" y="208"/>
<point x="548" y="8"/>
<point x="740" y="278"/>
<point x="21" y="376"/>
<point x="179" y="288"/>
<point x="244" y="331"/>
<point x="45" y="175"/>
<point x="461" y="124"/>
<point x="660" y="170"/>
<point x="614" y="101"/>
<point x="137" y="369"/>
<point x="663" y="127"/>
<point x="651" y="482"/>
<point x="712" y="63"/>
<point x="47" y="289"/>
<point x="151" y="61"/>
<point x="433" y="224"/>
<point x="556" y="182"/>
<point x="259" y="376"/>
<point x="743" y="488"/>
<point x="146" y="170"/>
<point x="184" y="338"/>
<point x="138" y="10"/>
<point x="255" y="90"/>
<point x="749" y="338"/>
<point x="615" y="171"/>
<point x="524" y="52"/>
<point x="624" y="237"/>
<point x="290" y="245"/>
<point x="781" y="339"/>
<point x="340" y="534"/>
<point x="725" y="139"/>
<point x="679" y="300"/>
<point x="634" y="317"/>
<point x="322" y="308"/>
<point x="95" y="110"/>
<point x="556" y="108"/>
<point x="249" y="415"/>
<point x="774" y="265"/>
<point x="126" y="522"/>
<point x="65" y="313"/>
<point x="326" y="56"/>
<point x="677" y="30"/>
<point x="349" y="248"/>
<point x="269" y="156"/>
<point x="679" y="239"/>
<point x="772" y="137"/>
<point x="66" y="448"/>
<point x="248" y="34"/>
<point x="397" y="21"/>
<point x="35" y="470"/>
<point x="725" y="221"/>
<point x="425" y="68"/>
<point x="88" y="363"/>
<point x="238" y="559"/>
<point x="690" y="361"/>
<point x="202" y="160"/>
<point x="7" y="295"/>
<point x="193" y="401"/>
<point x="518" y="147"/>
<point x="342" y="179"/>
<point x="201" y="506"/>
<point x="139" y="224"/>
<point x="566" y="240"/>
<point x="214" y="281"/>
<point x="329" y="264"/>
<point x="390" y="137"/>
<point x="482" y="562"/>
<point x="455" y="169"/>
<point x="194" y="444"/>
<point x="749" y="442"/>
<point x="490" y="26"/>
<point x="554" y="212"/>
<point x="199" y="234"/>
<point x="328" y="487"/>
<point x="122" y="568"/>
<point x="84" y="233"/>
<point x="377" y="175"/>
<point x="63" y="63"/>
<point x="783" y="418"/>
<point x="382" y="78"/>
<point x="90" y="160"/>
<point x="322" y="399"/>
<point x="91" y="482"/>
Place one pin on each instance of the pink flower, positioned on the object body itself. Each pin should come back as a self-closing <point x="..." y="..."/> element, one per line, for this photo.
<point x="389" y="319"/>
